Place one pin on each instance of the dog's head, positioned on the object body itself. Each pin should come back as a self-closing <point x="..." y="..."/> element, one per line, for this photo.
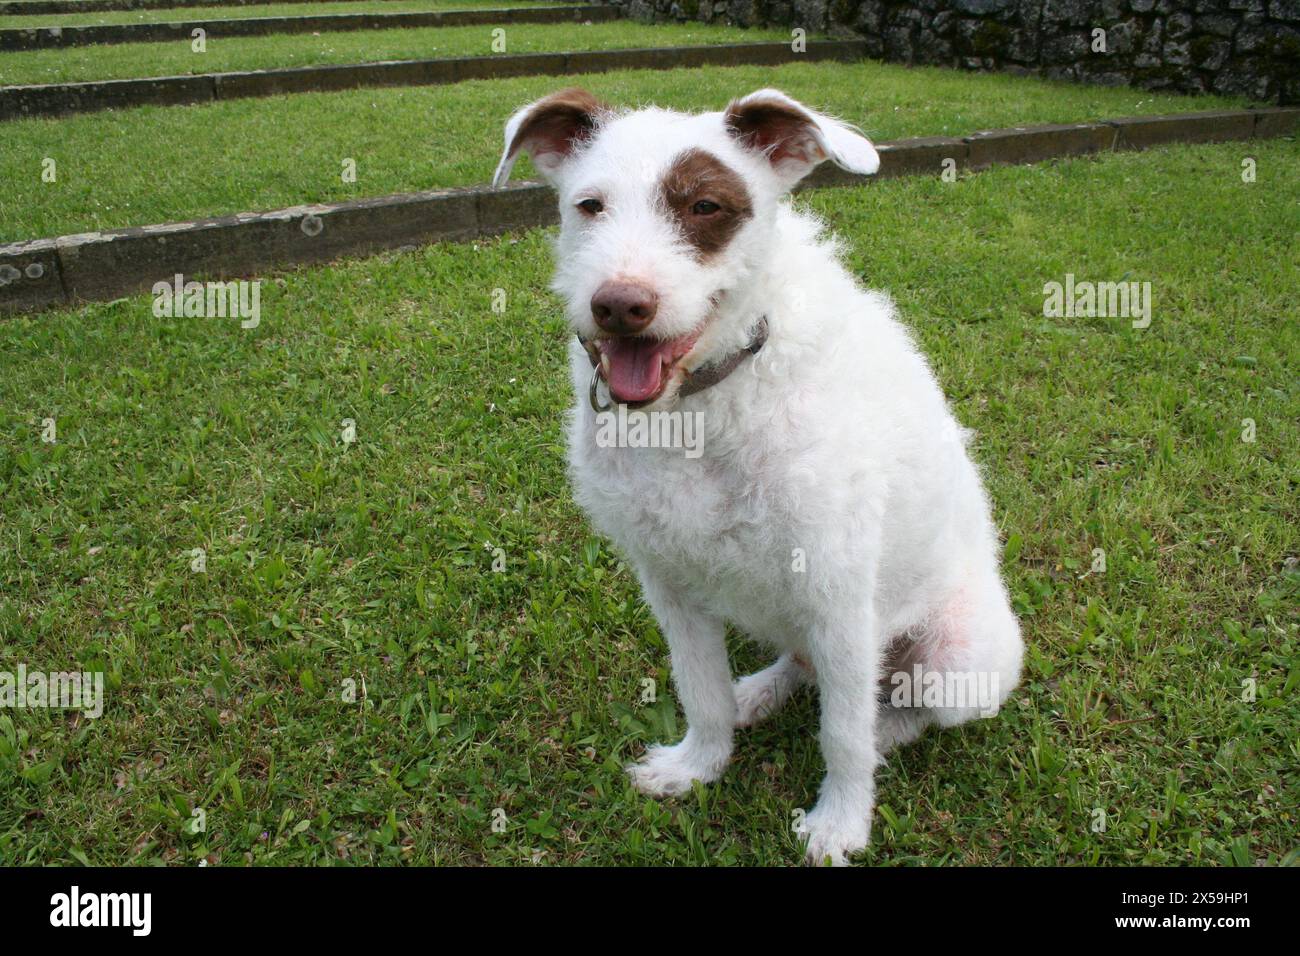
<point x="667" y="218"/>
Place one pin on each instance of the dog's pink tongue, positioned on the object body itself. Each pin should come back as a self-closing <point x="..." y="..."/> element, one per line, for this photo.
<point x="636" y="367"/>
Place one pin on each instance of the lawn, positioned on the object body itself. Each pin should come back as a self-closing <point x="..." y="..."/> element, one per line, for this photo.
<point x="105" y="17"/>
<point x="269" y="153"/>
<point x="519" y="690"/>
<point x="125" y="60"/>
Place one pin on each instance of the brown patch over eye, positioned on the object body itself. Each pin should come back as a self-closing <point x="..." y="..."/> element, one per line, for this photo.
<point x="707" y="199"/>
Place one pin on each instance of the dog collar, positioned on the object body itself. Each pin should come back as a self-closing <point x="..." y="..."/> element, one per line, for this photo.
<point x="698" y="379"/>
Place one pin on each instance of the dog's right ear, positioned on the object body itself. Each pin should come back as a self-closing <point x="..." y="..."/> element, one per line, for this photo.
<point x="548" y="131"/>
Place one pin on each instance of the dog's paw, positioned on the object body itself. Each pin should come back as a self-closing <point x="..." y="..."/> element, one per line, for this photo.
<point x="668" y="771"/>
<point x="756" y="699"/>
<point x="833" y="835"/>
<point x="762" y="694"/>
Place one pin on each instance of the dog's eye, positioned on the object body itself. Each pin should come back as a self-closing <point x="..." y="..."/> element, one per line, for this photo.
<point x="705" y="208"/>
<point x="591" y="206"/>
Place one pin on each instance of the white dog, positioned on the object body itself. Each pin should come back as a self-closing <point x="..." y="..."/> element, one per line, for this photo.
<point x="833" y="512"/>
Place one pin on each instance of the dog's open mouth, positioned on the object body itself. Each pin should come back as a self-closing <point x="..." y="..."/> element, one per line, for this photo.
<point x="638" y="368"/>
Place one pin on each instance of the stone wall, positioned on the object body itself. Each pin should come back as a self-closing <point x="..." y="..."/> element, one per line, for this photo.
<point x="1242" y="47"/>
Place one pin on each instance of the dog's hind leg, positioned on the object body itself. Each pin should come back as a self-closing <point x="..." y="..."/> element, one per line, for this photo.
<point x="763" y="693"/>
<point x="961" y="665"/>
<point x="902" y="719"/>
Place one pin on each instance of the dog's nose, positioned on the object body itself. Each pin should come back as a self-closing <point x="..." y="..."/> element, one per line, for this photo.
<point x="623" y="307"/>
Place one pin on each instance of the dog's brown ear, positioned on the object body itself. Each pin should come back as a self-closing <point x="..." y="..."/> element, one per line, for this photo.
<point x="794" y="138"/>
<point x="548" y="130"/>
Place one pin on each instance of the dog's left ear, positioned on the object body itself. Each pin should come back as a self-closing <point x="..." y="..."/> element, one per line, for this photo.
<point x="794" y="138"/>
<point x="548" y="131"/>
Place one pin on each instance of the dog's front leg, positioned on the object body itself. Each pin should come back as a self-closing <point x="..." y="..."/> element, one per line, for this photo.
<point x="703" y="680"/>
<point x="845" y="657"/>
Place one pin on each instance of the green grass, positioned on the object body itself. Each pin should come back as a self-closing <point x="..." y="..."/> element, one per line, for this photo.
<point x="125" y="60"/>
<point x="106" y="17"/>
<point x="519" y="690"/>
<point x="160" y="164"/>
